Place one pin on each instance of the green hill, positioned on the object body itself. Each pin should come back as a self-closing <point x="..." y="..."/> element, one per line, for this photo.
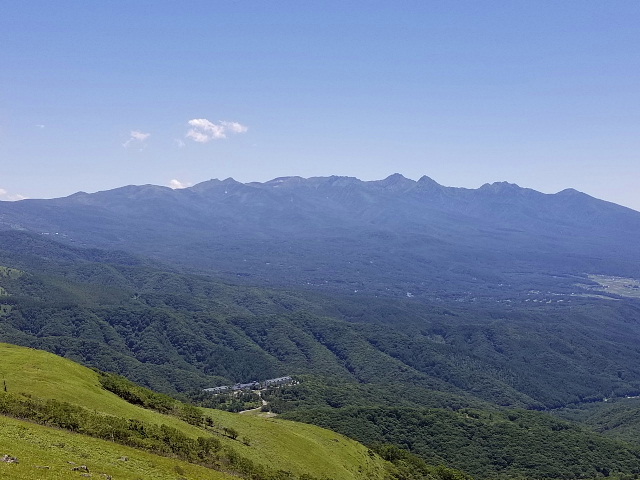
<point x="51" y="454"/>
<point x="273" y="443"/>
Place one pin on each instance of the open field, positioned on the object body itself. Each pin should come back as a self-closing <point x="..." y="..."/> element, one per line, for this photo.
<point x="624" y="287"/>
<point x="275" y="443"/>
<point x="37" y="447"/>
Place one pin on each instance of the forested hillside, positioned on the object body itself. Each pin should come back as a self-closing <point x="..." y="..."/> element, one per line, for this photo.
<point x="180" y="332"/>
<point x="389" y="238"/>
<point x="508" y="444"/>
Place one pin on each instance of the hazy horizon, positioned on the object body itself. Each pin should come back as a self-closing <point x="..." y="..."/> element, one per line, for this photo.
<point x="175" y="186"/>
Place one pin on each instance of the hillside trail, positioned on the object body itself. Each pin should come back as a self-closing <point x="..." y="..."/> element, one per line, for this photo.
<point x="258" y="410"/>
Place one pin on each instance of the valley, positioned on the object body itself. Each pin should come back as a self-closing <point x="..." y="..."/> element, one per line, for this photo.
<point x="437" y="326"/>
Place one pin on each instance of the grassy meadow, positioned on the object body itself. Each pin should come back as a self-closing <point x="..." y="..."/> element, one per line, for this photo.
<point x="271" y="442"/>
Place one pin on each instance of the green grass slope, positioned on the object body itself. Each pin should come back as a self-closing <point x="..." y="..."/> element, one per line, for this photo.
<point x="279" y="444"/>
<point x="306" y="447"/>
<point x="51" y="454"/>
<point x="47" y="376"/>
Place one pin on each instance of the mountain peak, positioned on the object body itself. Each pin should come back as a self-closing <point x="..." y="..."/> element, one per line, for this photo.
<point x="213" y="184"/>
<point x="396" y="181"/>
<point x="428" y="183"/>
<point x="229" y="181"/>
<point x="500" y="187"/>
<point x="202" y="186"/>
<point x="395" y="177"/>
<point x="569" y="192"/>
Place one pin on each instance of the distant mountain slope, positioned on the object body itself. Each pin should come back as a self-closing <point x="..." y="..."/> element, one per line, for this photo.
<point x="385" y="237"/>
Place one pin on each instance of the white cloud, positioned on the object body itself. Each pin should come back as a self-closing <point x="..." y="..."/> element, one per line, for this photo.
<point x="198" y="136"/>
<point x="179" y="143"/>
<point x="204" y="131"/>
<point x="235" y="127"/>
<point x="139" y="135"/>
<point x="177" y="184"/>
<point x="40" y="125"/>
<point x="136" y="137"/>
<point x="11" y="197"/>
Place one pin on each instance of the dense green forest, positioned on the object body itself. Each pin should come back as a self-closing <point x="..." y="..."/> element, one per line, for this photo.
<point x="505" y="444"/>
<point x="178" y="332"/>
<point x="371" y="360"/>
<point x="616" y="417"/>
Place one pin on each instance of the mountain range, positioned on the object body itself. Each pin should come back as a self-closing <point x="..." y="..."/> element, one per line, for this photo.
<point x="413" y="316"/>
<point x="389" y="237"/>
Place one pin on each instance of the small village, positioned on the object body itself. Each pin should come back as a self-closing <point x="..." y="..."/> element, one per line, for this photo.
<point x="239" y="387"/>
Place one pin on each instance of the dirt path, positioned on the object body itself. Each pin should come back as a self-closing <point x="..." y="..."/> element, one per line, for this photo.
<point x="250" y="410"/>
<point x="258" y="410"/>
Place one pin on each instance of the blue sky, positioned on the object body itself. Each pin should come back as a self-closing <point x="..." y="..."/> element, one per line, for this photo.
<point x="96" y="95"/>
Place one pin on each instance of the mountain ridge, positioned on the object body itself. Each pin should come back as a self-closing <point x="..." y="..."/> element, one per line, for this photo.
<point x="335" y="229"/>
<point x="392" y="181"/>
